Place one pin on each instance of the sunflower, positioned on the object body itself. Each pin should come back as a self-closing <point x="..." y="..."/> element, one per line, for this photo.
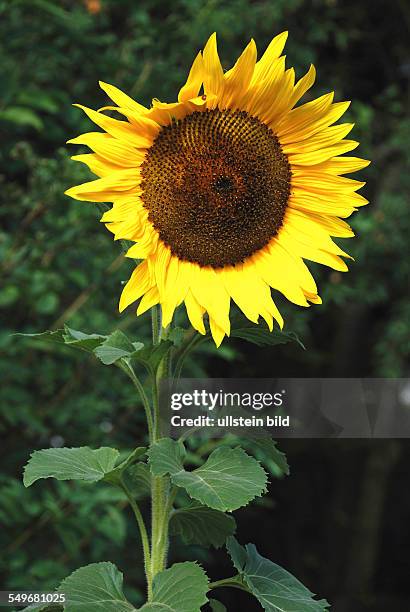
<point x="228" y="190"/>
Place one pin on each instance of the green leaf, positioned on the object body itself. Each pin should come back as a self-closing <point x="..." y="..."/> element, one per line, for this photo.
<point x="70" y="463"/>
<point x="78" y="339"/>
<point x="266" y="451"/>
<point x="72" y="337"/>
<point x="263" y="337"/>
<point x="97" y="588"/>
<point x="177" y="335"/>
<point x="217" y="606"/>
<point x="137" y="479"/>
<point x="166" y="457"/>
<point x="43" y="608"/>
<point x="153" y="355"/>
<point x="114" y="476"/>
<point x="19" y="115"/>
<point x="237" y="553"/>
<point x="108" y="349"/>
<point x="274" y="587"/>
<point x="201" y="525"/>
<point x="181" y="588"/>
<point x="227" y="480"/>
<point x="50" y="336"/>
<point x="115" y="347"/>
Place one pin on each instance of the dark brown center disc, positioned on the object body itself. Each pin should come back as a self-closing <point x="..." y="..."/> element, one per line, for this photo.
<point x="216" y="185"/>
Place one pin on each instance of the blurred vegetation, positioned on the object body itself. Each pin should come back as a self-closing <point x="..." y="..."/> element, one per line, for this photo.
<point x="58" y="264"/>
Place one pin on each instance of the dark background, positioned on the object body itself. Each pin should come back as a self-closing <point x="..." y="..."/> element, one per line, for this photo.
<point x="340" y="521"/>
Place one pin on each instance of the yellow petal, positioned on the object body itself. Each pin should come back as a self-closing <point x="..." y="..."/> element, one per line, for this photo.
<point x="164" y="112"/>
<point x="308" y="251"/>
<point x="280" y="102"/>
<point x="138" y="284"/>
<point x="304" y="121"/>
<point x="146" y="245"/>
<point x="119" y="129"/>
<point x="218" y="334"/>
<point x="338" y="198"/>
<point x="320" y="182"/>
<point x="321" y="155"/>
<point x="107" y="188"/>
<point x="258" y="100"/>
<point x="145" y="126"/>
<point x="304" y="115"/>
<point x="175" y="290"/>
<point x="195" y="313"/>
<point x="312" y="297"/>
<point x="208" y="289"/>
<point x="343" y="165"/>
<point x="324" y="138"/>
<point x="121" y="99"/>
<point x="276" y="268"/>
<point x="194" y="81"/>
<point x="131" y="228"/>
<point x="213" y="72"/>
<point x="111" y="149"/>
<point x="302" y="86"/>
<point x="238" y="78"/>
<point x="309" y="202"/>
<point x="160" y="266"/>
<point x="150" y="299"/>
<point x="308" y="229"/>
<point x="96" y="164"/>
<point x="124" y="209"/>
<point x="264" y="65"/>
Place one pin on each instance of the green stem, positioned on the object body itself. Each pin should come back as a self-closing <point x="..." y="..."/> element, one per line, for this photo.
<point x="161" y="500"/>
<point x="156" y="324"/>
<point x="144" y="398"/>
<point x="144" y="536"/>
<point x="194" y="340"/>
<point x="233" y="581"/>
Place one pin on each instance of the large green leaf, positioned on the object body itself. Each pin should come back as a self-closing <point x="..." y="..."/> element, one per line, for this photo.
<point x="112" y="349"/>
<point x="227" y="480"/>
<point x="95" y="588"/>
<point x="43" y="608"/>
<point x="137" y="479"/>
<point x="266" y="451"/>
<point x="78" y="339"/>
<point x="72" y="337"/>
<point x="153" y="355"/>
<point x="197" y="524"/>
<point x="181" y="588"/>
<point x="115" y="475"/>
<point x="274" y="587"/>
<point x="263" y="337"/>
<point x="116" y="347"/>
<point x="81" y="463"/>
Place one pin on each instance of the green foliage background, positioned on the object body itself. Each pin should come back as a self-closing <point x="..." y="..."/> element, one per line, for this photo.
<point x="57" y="264"/>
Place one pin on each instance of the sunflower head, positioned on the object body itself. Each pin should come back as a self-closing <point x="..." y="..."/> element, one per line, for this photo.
<point x="227" y="191"/>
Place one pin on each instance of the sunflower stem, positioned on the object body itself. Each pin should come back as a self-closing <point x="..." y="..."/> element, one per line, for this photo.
<point x="161" y="497"/>
<point x="144" y="537"/>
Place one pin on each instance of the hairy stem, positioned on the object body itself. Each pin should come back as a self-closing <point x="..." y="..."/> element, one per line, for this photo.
<point x="145" y="401"/>
<point x="160" y="485"/>
<point x="232" y="581"/>
<point x="144" y="537"/>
